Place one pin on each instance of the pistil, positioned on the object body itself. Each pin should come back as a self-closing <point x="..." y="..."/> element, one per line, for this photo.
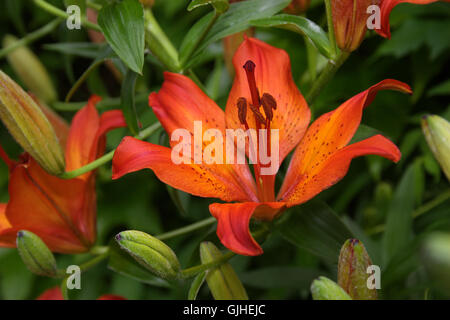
<point x="265" y="183"/>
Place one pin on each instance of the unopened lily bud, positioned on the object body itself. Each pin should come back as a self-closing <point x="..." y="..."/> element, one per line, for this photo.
<point x="436" y="258"/>
<point x="151" y="253"/>
<point x="437" y="134"/>
<point x="29" y="126"/>
<point x="297" y="7"/>
<point x="326" y="289"/>
<point x="35" y="254"/>
<point x="222" y="281"/>
<point x="352" y="271"/>
<point x="350" y="22"/>
<point x="30" y="70"/>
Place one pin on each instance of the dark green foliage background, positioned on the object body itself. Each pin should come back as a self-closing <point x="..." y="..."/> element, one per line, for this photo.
<point x="374" y="192"/>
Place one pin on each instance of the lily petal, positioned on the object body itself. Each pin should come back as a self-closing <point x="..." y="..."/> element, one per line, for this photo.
<point x="198" y="179"/>
<point x="233" y="224"/>
<point x="273" y="76"/>
<point x="180" y="103"/>
<point x="7" y="234"/>
<point x="386" y="8"/>
<point x="329" y="133"/>
<point x="50" y="207"/>
<point x="51" y="294"/>
<point x="336" y="167"/>
<point x="85" y="141"/>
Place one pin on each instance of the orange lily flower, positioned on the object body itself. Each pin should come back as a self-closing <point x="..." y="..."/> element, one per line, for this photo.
<point x="320" y="160"/>
<point x="386" y="7"/>
<point x="61" y="212"/>
<point x="55" y="293"/>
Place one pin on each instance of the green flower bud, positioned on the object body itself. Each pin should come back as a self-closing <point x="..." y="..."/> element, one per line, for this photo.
<point x="30" y="70"/>
<point x="35" y="254"/>
<point x="222" y="281"/>
<point x="326" y="289"/>
<point x="437" y="134"/>
<point x="436" y="257"/>
<point x="352" y="270"/>
<point x="29" y="126"/>
<point x="151" y="253"/>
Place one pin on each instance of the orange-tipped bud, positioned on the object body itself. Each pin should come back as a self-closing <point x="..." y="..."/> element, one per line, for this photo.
<point x="350" y="22"/>
<point x="29" y="126"/>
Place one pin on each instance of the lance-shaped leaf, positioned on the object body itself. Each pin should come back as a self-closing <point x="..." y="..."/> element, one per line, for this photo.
<point x="219" y="5"/>
<point x="222" y="281"/>
<point x="301" y="25"/>
<point x="128" y="101"/>
<point x="236" y="19"/>
<point x="352" y="270"/>
<point x="123" y="26"/>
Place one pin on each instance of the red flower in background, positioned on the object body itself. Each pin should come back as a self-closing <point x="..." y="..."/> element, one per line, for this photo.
<point x="321" y="158"/>
<point x="56" y="294"/>
<point x="61" y="212"/>
<point x="386" y="7"/>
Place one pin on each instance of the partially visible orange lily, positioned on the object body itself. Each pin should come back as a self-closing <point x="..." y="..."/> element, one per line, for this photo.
<point x="55" y="293"/>
<point x="265" y="87"/>
<point x="386" y="7"/>
<point x="61" y="212"/>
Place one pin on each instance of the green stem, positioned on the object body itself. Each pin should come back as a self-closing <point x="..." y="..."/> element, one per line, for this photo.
<point x="418" y="212"/>
<point x="188" y="229"/>
<point x="159" y="44"/>
<point x="93" y="5"/>
<point x="106" y="103"/>
<point x="62" y="14"/>
<point x="107" y="157"/>
<point x="197" y="81"/>
<point x="327" y="74"/>
<point x="33" y="36"/>
<point x="193" y="271"/>
<point x="83" y="267"/>
<point x="94" y="261"/>
<point x="331" y="35"/>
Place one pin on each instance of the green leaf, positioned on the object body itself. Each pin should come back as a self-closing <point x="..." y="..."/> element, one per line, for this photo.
<point x="315" y="227"/>
<point x="398" y="230"/>
<point x="280" y="277"/>
<point x="104" y="55"/>
<point x="128" y="101"/>
<point x="82" y="49"/>
<point x="123" y="27"/>
<point x="219" y="5"/>
<point x="236" y="19"/>
<point x="301" y="25"/>
<point x="122" y="263"/>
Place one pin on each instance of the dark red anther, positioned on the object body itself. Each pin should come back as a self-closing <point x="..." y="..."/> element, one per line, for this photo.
<point x="268" y="103"/>
<point x="258" y="115"/>
<point x="249" y="67"/>
<point x="242" y="110"/>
